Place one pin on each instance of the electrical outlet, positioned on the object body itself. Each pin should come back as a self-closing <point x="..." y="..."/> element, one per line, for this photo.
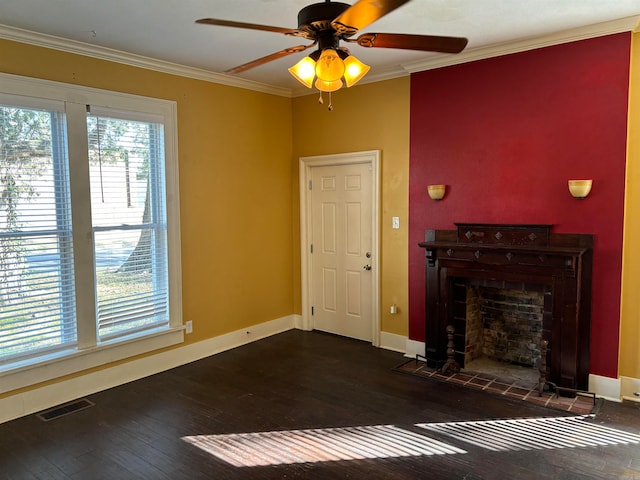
<point x="188" y="327"/>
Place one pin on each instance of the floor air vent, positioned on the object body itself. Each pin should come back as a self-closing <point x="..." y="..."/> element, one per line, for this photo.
<point x="66" y="409"/>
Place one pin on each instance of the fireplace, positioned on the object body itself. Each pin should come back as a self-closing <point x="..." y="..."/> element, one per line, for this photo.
<point x="501" y="325"/>
<point x="506" y="290"/>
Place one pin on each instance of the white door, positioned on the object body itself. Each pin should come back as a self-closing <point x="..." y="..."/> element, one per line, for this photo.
<point x="342" y="250"/>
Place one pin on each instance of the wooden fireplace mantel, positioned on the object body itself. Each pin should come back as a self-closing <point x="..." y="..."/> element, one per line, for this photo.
<point x="518" y="256"/>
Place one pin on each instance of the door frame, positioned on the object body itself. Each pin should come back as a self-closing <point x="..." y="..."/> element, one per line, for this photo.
<point x="306" y="164"/>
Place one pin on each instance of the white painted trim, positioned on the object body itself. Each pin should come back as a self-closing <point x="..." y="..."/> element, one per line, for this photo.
<point x="41" y="398"/>
<point x="414" y="348"/>
<point x="72" y="361"/>
<point x="628" y="24"/>
<point x="371" y="157"/>
<point x="628" y="386"/>
<point x="96" y="97"/>
<point x="89" y="353"/>
<point x="133" y="60"/>
<point x="605" y="387"/>
<point x="391" y="341"/>
<point x="297" y="322"/>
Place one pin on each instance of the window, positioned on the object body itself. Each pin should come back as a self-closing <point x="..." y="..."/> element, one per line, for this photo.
<point x="129" y="226"/>
<point x="37" y="306"/>
<point x="89" y="244"/>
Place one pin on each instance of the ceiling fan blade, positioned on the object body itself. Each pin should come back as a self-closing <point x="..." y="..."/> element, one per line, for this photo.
<point x="269" y="58"/>
<point x="426" y="43"/>
<point x="251" y="26"/>
<point x="363" y="13"/>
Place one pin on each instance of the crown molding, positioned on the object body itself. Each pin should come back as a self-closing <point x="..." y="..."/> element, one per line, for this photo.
<point x="112" y="55"/>
<point x="627" y="24"/>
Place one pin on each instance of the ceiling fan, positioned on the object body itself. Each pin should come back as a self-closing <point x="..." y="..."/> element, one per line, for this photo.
<point x="325" y="25"/>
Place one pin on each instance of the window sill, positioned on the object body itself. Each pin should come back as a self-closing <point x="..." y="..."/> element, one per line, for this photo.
<point x="15" y="376"/>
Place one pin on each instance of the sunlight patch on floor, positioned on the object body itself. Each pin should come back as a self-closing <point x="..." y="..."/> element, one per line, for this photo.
<point x="319" y="445"/>
<point x="533" y="433"/>
<point x="388" y="441"/>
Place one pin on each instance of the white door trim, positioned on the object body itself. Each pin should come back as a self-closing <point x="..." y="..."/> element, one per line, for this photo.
<point x="371" y="157"/>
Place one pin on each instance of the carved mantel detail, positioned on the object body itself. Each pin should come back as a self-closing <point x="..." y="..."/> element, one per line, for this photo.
<point x="515" y="256"/>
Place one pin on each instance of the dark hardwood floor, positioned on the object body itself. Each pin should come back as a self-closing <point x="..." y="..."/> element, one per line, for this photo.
<point x="296" y="381"/>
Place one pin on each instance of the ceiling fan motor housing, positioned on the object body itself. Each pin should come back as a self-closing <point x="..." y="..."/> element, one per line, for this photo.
<point x="319" y="16"/>
<point x="327" y="23"/>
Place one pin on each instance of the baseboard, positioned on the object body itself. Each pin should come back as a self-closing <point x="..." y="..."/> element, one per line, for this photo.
<point x="629" y="386"/>
<point x="297" y="322"/>
<point x="414" y="348"/>
<point x="605" y="387"/>
<point x="32" y="401"/>
<point x="391" y="341"/>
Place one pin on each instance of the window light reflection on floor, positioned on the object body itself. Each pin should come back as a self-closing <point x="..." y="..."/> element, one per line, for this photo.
<point x="533" y="433"/>
<point x="386" y="441"/>
<point x="319" y="445"/>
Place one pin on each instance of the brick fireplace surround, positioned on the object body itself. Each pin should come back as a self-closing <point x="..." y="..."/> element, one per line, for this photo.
<point x="501" y="324"/>
<point x="517" y="258"/>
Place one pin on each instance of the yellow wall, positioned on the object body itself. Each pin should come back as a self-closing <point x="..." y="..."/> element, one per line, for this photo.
<point x="368" y="117"/>
<point x="629" y="362"/>
<point x="235" y="177"/>
<point x="238" y="155"/>
<point x="238" y="166"/>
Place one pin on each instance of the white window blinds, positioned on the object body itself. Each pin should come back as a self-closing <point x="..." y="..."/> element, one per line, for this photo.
<point x="126" y="160"/>
<point x="89" y="229"/>
<point x="37" y="299"/>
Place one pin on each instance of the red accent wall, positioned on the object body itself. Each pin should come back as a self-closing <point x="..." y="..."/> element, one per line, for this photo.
<point x="505" y="134"/>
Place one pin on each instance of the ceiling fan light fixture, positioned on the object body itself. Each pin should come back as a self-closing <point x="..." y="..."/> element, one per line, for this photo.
<point x="325" y="86"/>
<point x="326" y="24"/>
<point x="304" y="71"/>
<point x="329" y="66"/>
<point x="354" y="70"/>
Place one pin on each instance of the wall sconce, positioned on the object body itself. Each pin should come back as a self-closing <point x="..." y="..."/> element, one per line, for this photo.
<point x="436" y="192"/>
<point x="580" y="188"/>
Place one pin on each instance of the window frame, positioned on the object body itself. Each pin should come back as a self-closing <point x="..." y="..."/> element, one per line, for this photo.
<point x="157" y="224"/>
<point x="91" y="353"/>
<point x="63" y="229"/>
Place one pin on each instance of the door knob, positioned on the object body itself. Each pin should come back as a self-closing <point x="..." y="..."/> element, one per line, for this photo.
<point x="367" y="267"/>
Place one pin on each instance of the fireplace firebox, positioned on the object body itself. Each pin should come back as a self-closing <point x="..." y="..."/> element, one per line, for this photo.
<point x="516" y="258"/>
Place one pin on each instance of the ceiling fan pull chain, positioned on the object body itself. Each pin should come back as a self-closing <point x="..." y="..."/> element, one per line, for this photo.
<point x="320" y="99"/>
<point x="330" y="107"/>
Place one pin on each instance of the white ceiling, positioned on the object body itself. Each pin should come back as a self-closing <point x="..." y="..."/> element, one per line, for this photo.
<point x="165" y="29"/>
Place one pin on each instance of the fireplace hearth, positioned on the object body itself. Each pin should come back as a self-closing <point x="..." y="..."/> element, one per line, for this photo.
<point x="505" y="289"/>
